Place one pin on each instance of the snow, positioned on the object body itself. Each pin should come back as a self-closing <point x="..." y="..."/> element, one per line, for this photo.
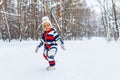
<point x="94" y="59"/>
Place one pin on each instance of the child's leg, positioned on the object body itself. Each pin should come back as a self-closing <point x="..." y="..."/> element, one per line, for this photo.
<point x="50" y="56"/>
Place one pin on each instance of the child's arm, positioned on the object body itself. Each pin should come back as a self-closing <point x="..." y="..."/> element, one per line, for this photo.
<point x="41" y="44"/>
<point x="59" y="40"/>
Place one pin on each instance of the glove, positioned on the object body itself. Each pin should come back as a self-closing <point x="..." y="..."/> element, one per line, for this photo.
<point x="37" y="48"/>
<point x="62" y="46"/>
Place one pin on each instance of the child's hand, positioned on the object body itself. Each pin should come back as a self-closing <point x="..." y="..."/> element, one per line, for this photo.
<point x="62" y="46"/>
<point x="37" y="48"/>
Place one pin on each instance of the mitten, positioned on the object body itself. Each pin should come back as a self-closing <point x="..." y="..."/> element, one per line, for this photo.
<point x="37" y="48"/>
<point x="62" y="46"/>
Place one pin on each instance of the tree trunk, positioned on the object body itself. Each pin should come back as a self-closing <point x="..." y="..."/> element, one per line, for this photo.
<point x="116" y="23"/>
<point x="4" y="19"/>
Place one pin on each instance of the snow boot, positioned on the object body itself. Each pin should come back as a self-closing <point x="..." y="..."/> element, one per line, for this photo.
<point x="51" y="68"/>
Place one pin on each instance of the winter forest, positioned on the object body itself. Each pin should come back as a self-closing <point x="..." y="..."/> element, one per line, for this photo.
<point x="73" y="19"/>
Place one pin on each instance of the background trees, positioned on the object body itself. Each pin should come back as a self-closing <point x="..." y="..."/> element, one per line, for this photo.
<point x="110" y="18"/>
<point x="21" y="19"/>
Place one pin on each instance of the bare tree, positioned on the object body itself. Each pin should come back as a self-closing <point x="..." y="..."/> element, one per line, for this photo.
<point x="4" y="20"/>
<point x="116" y="34"/>
<point x="70" y="17"/>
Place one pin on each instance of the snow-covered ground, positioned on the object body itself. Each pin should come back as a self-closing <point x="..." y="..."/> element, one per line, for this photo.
<point x="93" y="59"/>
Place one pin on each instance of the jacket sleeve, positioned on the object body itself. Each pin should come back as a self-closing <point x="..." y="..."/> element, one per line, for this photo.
<point x="41" y="42"/>
<point x="58" y="38"/>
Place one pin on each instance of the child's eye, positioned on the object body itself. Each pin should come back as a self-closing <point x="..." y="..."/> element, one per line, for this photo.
<point x="48" y="25"/>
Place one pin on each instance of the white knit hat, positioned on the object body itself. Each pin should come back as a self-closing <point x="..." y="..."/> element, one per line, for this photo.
<point x="46" y="19"/>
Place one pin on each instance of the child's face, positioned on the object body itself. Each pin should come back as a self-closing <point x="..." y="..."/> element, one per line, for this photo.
<point x="46" y="26"/>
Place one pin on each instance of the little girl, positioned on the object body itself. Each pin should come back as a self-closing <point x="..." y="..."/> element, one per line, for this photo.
<point x="50" y="40"/>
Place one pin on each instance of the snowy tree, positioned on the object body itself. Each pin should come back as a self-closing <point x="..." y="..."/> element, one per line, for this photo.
<point x="110" y="20"/>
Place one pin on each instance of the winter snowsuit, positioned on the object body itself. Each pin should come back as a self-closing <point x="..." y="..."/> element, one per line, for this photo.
<point x="49" y="40"/>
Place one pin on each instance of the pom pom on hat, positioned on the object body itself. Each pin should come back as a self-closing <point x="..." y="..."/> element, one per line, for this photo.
<point x="46" y="19"/>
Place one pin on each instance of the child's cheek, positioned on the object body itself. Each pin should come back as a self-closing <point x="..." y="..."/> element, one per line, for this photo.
<point x="47" y="29"/>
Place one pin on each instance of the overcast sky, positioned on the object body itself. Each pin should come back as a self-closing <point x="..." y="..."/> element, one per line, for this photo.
<point x="93" y="4"/>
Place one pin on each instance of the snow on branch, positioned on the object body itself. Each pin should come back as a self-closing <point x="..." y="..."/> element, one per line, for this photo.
<point x="1" y="2"/>
<point x="10" y="13"/>
<point x="55" y="4"/>
<point x="56" y="21"/>
<point x="114" y="21"/>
